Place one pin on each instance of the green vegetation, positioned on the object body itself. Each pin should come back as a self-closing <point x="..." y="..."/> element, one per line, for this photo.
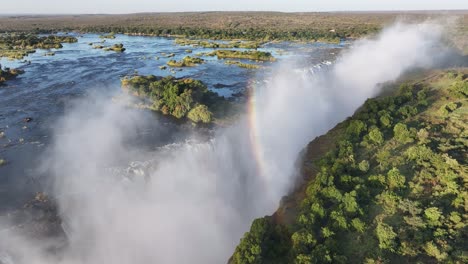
<point x="214" y="44"/>
<point x="200" y="113"/>
<point x="242" y="65"/>
<point x="116" y="48"/>
<point x="388" y="185"/>
<point x="108" y="36"/>
<point x="186" y="62"/>
<point x="256" y="26"/>
<point x="17" y="46"/>
<point x="236" y="54"/>
<point x="8" y="74"/>
<point x="177" y="97"/>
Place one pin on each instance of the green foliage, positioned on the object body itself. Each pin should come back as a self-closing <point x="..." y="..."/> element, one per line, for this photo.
<point x="386" y="236"/>
<point x="402" y="134"/>
<point x="364" y="166"/>
<point x="355" y="128"/>
<point x="242" y="65"/>
<point x="108" y="36"/>
<point x="200" y="113"/>
<point x="215" y="44"/>
<point x="433" y="215"/>
<point x="382" y="199"/>
<point x="17" y="46"/>
<point x="177" y="97"/>
<point x="375" y="136"/>
<point x="249" y="54"/>
<point x="185" y="62"/>
<point x="265" y="243"/>
<point x="115" y="47"/>
<point x="395" y="180"/>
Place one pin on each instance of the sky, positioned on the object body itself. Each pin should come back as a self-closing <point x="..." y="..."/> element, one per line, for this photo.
<point x="135" y="6"/>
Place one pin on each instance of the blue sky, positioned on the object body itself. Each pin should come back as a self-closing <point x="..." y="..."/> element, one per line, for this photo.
<point x="133" y="6"/>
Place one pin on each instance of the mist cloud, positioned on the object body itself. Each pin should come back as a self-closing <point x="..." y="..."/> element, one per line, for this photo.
<point x="191" y="202"/>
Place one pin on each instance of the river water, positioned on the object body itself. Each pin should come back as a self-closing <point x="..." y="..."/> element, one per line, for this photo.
<point x="50" y="83"/>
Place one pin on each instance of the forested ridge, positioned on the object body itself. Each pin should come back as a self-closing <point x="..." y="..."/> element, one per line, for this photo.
<point x="387" y="185"/>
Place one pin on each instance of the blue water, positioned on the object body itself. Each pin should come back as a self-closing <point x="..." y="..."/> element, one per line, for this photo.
<point x="49" y="83"/>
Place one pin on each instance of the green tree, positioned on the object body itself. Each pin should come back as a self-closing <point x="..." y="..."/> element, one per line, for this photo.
<point x="395" y="180"/>
<point x="264" y="243"/>
<point x="375" y="136"/>
<point x="364" y="166"/>
<point x="355" y="128"/>
<point x="386" y="236"/>
<point x="200" y="114"/>
<point x="402" y="134"/>
<point x="433" y="216"/>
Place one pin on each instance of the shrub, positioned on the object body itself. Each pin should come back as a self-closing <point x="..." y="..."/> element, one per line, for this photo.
<point x="200" y="114"/>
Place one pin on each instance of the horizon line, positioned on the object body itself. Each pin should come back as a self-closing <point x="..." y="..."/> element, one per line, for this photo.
<point x="244" y="11"/>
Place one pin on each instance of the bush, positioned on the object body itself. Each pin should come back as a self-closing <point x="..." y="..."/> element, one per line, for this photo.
<point x="200" y="114"/>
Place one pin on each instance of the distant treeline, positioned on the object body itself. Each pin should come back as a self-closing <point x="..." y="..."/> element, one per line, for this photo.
<point x="259" y="26"/>
<point x="213" y="25"/>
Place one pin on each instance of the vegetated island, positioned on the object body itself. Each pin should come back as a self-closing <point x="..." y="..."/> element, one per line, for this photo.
<point x="187" y="61"/>
<point x="237" y="54"/>
<point x="388" y="185"/>
<point x="17" y="46"/>
<point x="8" y="74"/>
<point x="214" y="44"/>
<point x="242" y="65"/>
<point x="108" y="36"/>
<point x="115" y="47"/>
<point x="180" y="98"/>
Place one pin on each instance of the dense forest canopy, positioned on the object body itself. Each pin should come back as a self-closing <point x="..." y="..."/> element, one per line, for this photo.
<point x="393" y="188"/>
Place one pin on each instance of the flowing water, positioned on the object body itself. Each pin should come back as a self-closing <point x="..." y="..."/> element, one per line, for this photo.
<point x="49" y="83"/>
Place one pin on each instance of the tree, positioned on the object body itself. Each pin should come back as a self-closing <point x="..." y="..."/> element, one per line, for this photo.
<point x="364" y="166"/>
<point x="402" y="134"/>
<point x="200" y="114"/>
<point x="376" y="136"/>
<point x="266" y="242"/>
<point x="355" y="128"/>
<point x="433" y="215"/>
<point x="395" y="179"/>
<point x="386" y="236"/>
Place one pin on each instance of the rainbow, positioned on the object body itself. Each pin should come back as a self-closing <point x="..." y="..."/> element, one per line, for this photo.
<point x="254" y="131"/>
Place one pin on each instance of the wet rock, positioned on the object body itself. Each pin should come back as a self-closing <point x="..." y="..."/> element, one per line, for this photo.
<point x="27" y="119"/>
